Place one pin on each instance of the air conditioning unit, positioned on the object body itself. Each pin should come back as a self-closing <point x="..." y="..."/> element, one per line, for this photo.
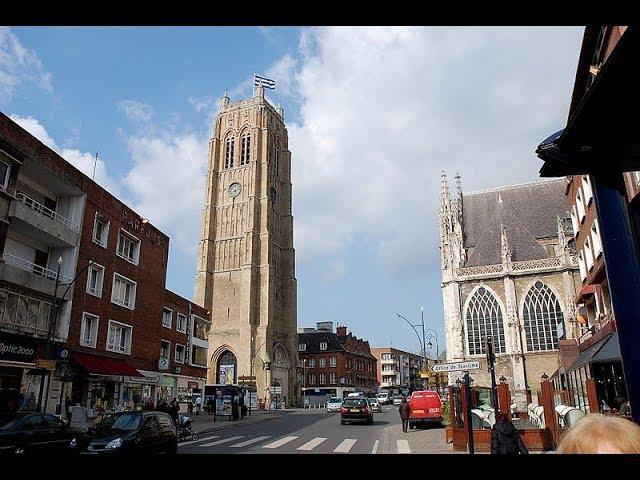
<point x="163" y="363"/>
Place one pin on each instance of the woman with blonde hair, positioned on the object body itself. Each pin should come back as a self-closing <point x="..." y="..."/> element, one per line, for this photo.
<point x="598" y="433"/>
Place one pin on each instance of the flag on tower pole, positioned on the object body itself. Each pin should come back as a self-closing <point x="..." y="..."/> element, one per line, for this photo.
<point x="264" y="82"/>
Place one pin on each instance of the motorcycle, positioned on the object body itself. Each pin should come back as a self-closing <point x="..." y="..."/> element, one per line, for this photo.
<point x="185" y="430"/>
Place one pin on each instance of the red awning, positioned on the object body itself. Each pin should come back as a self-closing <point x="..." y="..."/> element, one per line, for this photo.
<point x="586" y="290"/>
<point x="99" y="365"/>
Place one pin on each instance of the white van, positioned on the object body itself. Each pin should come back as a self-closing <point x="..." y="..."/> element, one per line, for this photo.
<point x="383" y="398"/>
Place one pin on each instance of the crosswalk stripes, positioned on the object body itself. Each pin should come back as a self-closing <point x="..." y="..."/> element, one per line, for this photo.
<point x="375" y="447"/>
<point x="250" y="442"/>
<point x="182" y="444"/>
<point x="279" y="443"/>
<point x="346" y="445"/>
<point x="312" y="444"/>
<point x="403" y="446"/>
<point x="224" y="440"/>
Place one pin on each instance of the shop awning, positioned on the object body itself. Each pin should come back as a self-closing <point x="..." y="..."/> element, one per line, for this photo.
<point x="610" y="351"/>
<point x="586" y="290"/>
<point x="100" y="365"/>
<point x="587" y="355"/>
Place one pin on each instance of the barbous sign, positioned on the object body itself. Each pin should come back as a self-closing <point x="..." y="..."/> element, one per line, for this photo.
<point x="20" y="351"/>
<point x="456" y="367"/>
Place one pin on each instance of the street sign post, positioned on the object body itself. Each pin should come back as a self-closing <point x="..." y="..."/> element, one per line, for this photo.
<point x="456" y="367"/>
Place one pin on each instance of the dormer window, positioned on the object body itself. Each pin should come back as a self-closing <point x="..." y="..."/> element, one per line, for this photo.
<point x="228" y="156"/>
<point x="302" y="347"/>
<point x="323" y="345"/>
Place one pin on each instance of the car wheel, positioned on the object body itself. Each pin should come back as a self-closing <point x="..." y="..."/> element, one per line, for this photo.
<point x="195" y="436"/>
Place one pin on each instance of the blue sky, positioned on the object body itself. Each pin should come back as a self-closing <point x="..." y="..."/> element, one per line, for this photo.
<point x="373" y="114"/>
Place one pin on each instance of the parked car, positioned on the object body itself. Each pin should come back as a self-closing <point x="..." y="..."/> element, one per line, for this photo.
<point x="397" y="400"/>
<point x="383" y="398"/>
<point x="426" y="407"/>
<point x="334" y="404"/>
<point x="130" y="432"/>
<point x="356" y="410"/>
<point x="33" y="432"/>
<point x="375" y="406"/>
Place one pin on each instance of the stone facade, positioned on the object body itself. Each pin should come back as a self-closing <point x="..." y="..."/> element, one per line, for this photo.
<point x="246" y="261"/>
<point x="499" y="252"/>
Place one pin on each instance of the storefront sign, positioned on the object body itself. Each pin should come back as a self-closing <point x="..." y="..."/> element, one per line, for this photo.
<point x="149" y="378"/>
<point x="20" y="351"/>
<point x="192" y="384"/>
<point x="46" y="364"/>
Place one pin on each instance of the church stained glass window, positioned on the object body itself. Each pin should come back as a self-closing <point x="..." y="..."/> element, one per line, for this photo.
<point x="542" y="314"/>
<point x="484" y="319"/>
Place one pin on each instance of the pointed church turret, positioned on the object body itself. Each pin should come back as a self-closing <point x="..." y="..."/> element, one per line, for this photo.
<point x="280" y="110"/>
<point x="224" y="100"/>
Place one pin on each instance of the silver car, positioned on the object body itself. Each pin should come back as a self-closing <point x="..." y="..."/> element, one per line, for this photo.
<point x="375" y="406"/>
<point x="334" y="404"/>
<point x="397" y="400"/>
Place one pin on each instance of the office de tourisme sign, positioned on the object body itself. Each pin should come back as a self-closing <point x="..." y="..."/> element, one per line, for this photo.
<point x="456" y="367"/>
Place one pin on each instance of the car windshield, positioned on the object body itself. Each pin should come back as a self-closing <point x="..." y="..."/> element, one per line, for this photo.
<point x="382" y="395"/>
<point x="373" y="400"/>
<point x="355" y="402"/>
<point x="334" y="400"/>
<point x="7" y="421"/>
<point x="124" y="422"/>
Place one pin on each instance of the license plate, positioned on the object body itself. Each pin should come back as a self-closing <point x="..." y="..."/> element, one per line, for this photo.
<point x="434" y="410"/>
<point x="355" y="410"/>
<point x="418" y="411"/>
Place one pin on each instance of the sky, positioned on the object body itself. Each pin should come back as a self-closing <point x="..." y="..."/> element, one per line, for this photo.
<point x="374" y="115"/>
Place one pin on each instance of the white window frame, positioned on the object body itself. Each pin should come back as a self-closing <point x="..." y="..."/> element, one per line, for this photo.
<point x="302" y="347"/>
<point x="322" y="362"/>
<point x="105" y="233"/>
<point x="4" y="183"/>
<point x="94" y="334"/>
<point x="580" y="205"/>
<point x="583" y="270"/>
<point x="588" y="253"/>
<point x="178" y="315"/>
<point x="586" y="188"/>
<point x="165" y="309"/>
<point x="323" y="345"/>
<point x="123" y="233"/>
<point x="333" y="378"/>
<point x="322" y="378"/>
<point x="175" y="353"/>
<point x="312" y="363"/>
<point x="595" y="238"/>
<point x="168" y="357"/>
<point x="333" y="362"/>
<point x="98" y="292"/>
<point x="132" y="306"/>
<point x="130" y="342"/>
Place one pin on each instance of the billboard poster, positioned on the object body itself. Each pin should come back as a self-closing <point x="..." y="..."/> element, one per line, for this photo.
<point x="227" y="374"/>
<point x="224" y="400"/>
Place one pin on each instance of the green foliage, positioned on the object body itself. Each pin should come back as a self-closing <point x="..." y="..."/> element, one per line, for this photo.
<point x="446" y="412"/>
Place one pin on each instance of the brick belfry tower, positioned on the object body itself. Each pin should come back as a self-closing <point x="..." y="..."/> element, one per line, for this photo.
<point x="246" y="261"/>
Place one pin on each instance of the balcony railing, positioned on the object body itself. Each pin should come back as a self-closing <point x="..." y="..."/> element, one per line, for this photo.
<point x="47" y="212"/>
<point x="33" y="268"/>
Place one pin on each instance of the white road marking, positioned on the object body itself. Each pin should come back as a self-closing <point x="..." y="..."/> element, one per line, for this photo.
<point x="279" y="443"/>
<point x="224" y="440"/>
<point x="403" y="446"/>
<point x="346" y="445"/>
<point x="312" y="444"/>
<point x="182" y="444"/>
<point x="375" y="447"/>
<point x="249" y="442"/>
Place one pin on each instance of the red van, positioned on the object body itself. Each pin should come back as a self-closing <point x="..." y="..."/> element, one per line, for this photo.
<point x="426" y="407"/>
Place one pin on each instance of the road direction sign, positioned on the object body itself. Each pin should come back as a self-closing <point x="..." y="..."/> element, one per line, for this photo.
<point x="247" y="378"/>
<point x="456" y="367"/>
<point x="275" y="390"/>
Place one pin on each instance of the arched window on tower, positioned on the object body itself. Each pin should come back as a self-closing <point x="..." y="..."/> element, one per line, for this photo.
<point x="276" y="160"/>
<point x="246" y="147"/>
<point x="484" y="319"/>
<point x="542" y="314"/>
<point x="228" y="154"/>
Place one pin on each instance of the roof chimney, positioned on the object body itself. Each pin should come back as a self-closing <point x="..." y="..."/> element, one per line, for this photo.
<point x="341" y="331"/>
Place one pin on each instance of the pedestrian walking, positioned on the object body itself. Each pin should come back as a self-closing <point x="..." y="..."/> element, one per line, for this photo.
<point x="174" y="408"/>
<point x="198" y="404"/>
<point x="190" y="408"/>
<point x="505" y="439"/>
<point x="598" y="433"/>
<point x="405" y="411"/>
<point x="210" y="406"/>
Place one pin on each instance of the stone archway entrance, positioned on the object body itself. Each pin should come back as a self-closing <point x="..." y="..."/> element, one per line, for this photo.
<point x="280" y="368"/>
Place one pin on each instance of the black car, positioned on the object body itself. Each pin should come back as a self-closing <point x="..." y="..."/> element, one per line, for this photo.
<point x="356" y="410"/>
<point x="34" y="432"/>
<point x="131" y="432"/>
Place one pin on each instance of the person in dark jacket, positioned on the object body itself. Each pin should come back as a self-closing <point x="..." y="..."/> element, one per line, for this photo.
<point x="174" y="409"/>
<point x="505" y="439"/>
<point x="405" y="411"/>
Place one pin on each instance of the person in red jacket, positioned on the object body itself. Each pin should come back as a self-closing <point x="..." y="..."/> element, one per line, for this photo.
<point x="405" y="411"/>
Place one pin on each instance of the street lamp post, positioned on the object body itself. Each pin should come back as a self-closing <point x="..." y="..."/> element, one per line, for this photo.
<point x="253" y="357"/>
<point x="434" y="335"/>
<point x="51" y="327"/>
<point x="421" y="340"/>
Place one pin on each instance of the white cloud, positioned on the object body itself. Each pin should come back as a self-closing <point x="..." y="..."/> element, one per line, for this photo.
<point x="83" y="161"/>
<point x="135" y="110"/>
<point x="384" y="110"/>
<point x="19" y="65"/>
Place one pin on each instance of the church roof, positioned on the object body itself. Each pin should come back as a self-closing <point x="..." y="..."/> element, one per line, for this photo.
<point x="528" y="213"/>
